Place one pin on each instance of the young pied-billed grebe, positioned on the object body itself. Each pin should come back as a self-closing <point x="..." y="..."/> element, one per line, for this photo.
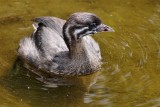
<point x="60" y="47"/>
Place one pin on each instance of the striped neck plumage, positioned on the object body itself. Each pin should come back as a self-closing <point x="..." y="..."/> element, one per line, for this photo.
<point x="73" y="38"/>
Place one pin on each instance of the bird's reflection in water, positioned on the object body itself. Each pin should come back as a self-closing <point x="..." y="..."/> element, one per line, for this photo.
<point x="57" y="92"/>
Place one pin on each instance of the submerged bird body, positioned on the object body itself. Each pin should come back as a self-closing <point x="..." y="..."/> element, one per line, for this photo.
<point x="60" y="47"/>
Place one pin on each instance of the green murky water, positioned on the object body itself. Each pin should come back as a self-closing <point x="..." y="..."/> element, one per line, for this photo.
<point x="130" y="76"/>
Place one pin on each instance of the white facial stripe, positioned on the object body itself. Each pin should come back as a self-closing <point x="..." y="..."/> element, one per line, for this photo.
<point x="87" y="33"/>
<point x="67" y="32"/>
<point x="77" y="31"/>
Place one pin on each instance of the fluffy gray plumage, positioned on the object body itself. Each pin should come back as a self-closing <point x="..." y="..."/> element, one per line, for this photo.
<point x="59" y="47"/>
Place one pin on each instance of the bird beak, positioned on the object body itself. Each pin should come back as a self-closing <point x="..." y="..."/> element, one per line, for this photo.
<point x="104" y="28"/>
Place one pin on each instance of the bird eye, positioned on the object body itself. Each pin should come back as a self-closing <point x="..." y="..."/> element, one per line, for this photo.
<point x="93" y="24"/>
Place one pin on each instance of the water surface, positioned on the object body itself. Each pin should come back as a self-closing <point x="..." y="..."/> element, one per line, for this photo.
<point x="130" y="76"/>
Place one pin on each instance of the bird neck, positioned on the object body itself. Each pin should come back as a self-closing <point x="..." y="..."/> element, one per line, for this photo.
<point x="82" y="60"/>
<point x="77" y="50"/>
<point x="75" y="45"/>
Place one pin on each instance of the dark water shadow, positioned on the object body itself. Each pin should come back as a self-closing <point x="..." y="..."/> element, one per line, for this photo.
<point x="22" y="84"/>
